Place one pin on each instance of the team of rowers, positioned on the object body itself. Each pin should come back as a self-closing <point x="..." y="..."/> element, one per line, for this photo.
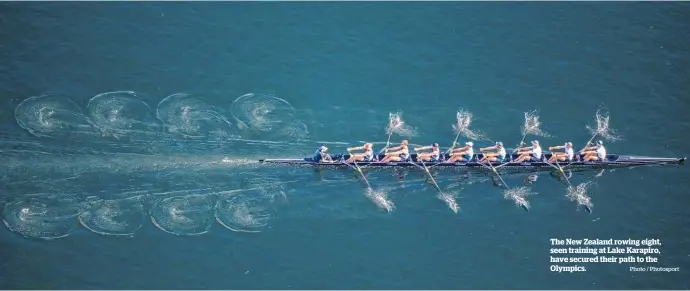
<point x="464" y="154"/>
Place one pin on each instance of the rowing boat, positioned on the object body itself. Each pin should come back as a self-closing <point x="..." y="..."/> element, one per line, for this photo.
<point x="611" y="162"/>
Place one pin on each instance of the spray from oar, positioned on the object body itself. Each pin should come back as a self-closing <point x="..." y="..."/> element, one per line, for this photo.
<point x="398" y="126"/>
<point x="517" y="194"/>
<point x="378" y="197"/>
<point x="449" y="199"/>
<point x="532" y="126"/>
<point x="463" y="119"/>
<point x="579" y="194"/>
<point x="602" y="128"/>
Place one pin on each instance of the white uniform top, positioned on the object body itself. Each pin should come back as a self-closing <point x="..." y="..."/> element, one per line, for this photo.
<point x="536" y="152"/>
<point x="502" y="152"/>
<point x="601" y="152"/>
<point x="569" y="153"/>
<point x="470" y="152"/>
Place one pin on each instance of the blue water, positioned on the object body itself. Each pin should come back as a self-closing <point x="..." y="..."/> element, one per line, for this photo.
<point x="136" y="166"/>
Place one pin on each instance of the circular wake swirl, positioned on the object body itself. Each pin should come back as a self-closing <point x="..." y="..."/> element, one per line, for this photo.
<point x="114" y="217"/>
<point x="186" y="215"/>
<point x="121" y="111"/>
<point x="52" y="116"/>
<point x="193" y="117"/>
<point x="41" y="218"/>
<point x="267" y="116"/>
<point x="250" y="211"/>
<point x="244" y="212"/>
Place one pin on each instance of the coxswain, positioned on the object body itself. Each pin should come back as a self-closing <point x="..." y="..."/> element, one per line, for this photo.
<point x="321" y="156"/>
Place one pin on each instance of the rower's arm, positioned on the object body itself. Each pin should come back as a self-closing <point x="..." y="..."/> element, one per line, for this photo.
<point x="556" y="148"/>
<point x="395" y="148"/>
<point x="525" y="148"/>
<point x="395" y="153"/>
<point x="355" y="148"/>
<point x="455" y="150"/>
<point x="422" y="148"/>
<point x="487" y="148"/>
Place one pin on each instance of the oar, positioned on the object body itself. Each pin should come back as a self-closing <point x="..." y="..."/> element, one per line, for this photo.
<point x="590" y="141"/>
<point x="455" y="142"/>
<point x="453" y="204"/>
<point x="522" y="142"/>
<point x="424" y="167"/>
<point x="570" y="185"/>
<point x="494" y="170"/>
<point x="359" y="170"/>
<point x="559" y="168"/>
<point x="387" y="143"/>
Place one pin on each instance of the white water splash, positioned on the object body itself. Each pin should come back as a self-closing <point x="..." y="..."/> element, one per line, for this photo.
<point x="579" y="194"/>
<point x="519" y="195"/>
<point x="532" y="125"/>
<point x="450" y="201"/>
<point x="380" y="198"/>
<point x="398" y="126"/>
<point x="602" y="128"/>
<point x="462" y="126"/>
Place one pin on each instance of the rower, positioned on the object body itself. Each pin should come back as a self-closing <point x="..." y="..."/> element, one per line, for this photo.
<point x="398" y="154"/>
<point x="462" y="154"/>
<point x="567" y="153"/>
<point x="529" y="152"/>
<point x="367" y="156"/>
<point x="595" y="153"/>
<point x="321" y="155"/>
<point x="499" y="155"/>
<point x="433" y="156"/>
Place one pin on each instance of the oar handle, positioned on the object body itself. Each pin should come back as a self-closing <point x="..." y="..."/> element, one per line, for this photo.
<point x="589" y="142"/>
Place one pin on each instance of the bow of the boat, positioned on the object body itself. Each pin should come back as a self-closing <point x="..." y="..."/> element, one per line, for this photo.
<point x="650" y="160"/>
